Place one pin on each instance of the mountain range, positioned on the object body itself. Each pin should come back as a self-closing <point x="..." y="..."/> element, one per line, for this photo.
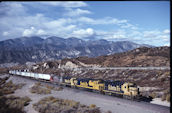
<point x="36" y="49"/>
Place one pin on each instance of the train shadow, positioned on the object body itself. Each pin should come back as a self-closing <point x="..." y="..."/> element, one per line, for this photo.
<point x="145" y="99"/>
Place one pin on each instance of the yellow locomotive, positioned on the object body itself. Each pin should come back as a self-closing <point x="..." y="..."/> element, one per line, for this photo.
<point x="125" y="89"/>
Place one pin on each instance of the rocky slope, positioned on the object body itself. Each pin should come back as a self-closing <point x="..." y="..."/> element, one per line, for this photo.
<point x="36" y="49"/>
<point x="155" y="82"/>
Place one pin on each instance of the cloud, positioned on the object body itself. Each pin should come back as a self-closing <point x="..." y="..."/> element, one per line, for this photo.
<point x="5" y="33"/>
<point x="41" y="32"/>
<point x="128" y="25"/>
<point x="166" y="31"/>
<point x="29" y="32"/>
<point x="76" y="12"/>
<point x="7" y="9"/>
<point x="106" y="20"/>
<point x="117" y="35"/>
<point x="151" y="34"/>
<point x="166" y="44"/>
<point x="83" y="32"/>
<point x="66" y="4"/>
<point x="68" y="19"/>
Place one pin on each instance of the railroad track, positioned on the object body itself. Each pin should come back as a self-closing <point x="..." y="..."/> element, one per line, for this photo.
<point x="121" y="68"/>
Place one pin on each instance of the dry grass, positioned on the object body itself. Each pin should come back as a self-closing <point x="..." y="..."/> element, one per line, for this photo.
<point x="58" y="88"/>
<point x="39" y="89"/>
<point x="44" y="89"/>
<point x="163" y="97"/>
<point x="11" y="104"/>
<point x="17" y="102"/>
<point x="109" y="112"/>
<point x="168" y="97"/>
<point x="92" y="106"/>
<point x="3" y="70"/>
<point x="56" y="105"/>
<point x="153" y="95"/>
<point x="8" y="87"/>
<point x="54" y="88"/>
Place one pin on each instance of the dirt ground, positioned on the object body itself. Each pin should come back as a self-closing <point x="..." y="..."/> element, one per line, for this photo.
<point x="114" y="104"/>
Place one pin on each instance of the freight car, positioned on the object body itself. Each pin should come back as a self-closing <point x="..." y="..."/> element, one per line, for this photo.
<point x="32" y="75"/>
<point x="120" y="88"/>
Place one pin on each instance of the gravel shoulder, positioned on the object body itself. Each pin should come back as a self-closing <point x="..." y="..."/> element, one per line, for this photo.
<point x="116" y="105"/>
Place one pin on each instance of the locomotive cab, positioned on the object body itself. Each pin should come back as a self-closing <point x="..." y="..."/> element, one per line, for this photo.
<point x="130" y="89"/>
<point x="133" y="89"/>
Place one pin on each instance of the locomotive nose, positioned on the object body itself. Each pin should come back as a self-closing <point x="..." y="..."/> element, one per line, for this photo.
<point x="51" y="78"/>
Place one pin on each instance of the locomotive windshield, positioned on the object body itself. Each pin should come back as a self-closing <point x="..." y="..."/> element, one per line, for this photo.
<point x="133" y="85"/>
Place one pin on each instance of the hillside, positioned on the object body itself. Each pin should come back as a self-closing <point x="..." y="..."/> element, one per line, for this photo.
<point x="36" y="49"/>
<point x="149" y="81"/>
<point x="159" y="56"/>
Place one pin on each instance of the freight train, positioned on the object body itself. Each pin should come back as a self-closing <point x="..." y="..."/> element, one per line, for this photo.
<point x="125" y="89"/>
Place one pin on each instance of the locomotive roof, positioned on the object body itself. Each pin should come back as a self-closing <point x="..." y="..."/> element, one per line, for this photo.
<point x="114" y="82"/>
<point x="87" y="79"/>
<point x="67" y="77"/>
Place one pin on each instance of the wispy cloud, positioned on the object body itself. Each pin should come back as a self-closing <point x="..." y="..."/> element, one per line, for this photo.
<point x="73" y="19"/>
<point x="106" y="20"/>
<point x="76" y="12"/>
<point x="65" y="4"/>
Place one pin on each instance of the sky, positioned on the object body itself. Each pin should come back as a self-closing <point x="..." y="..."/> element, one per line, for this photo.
<point x="142" y="22"/>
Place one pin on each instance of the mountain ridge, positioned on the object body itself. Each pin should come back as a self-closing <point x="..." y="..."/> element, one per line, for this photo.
<point x="36" y="49"/>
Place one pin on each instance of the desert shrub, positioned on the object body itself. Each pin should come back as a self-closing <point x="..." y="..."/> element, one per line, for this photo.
<point x="56" y="105"/>
<point x="17" y="102"/>
<point x="72" y="103"/>
<point x="59" y="89"/>
<point x="38" y="84"/>
<point x="38" y="89"/>
<point x="49" y="87"/>
<point x="92" y="106"/>
<point x="109" y="112"/>
<point x="163" y="97"/>
<point x="153" y="95"/>
<point x="82" y="105"/>
<point x="166" y="91"/>
<point x="168" y="97"/>
<point x="8" y="87"/>
<point x="13" y="104"/>
<point x="4" y="70"/>
<point x="54" y="88"/>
